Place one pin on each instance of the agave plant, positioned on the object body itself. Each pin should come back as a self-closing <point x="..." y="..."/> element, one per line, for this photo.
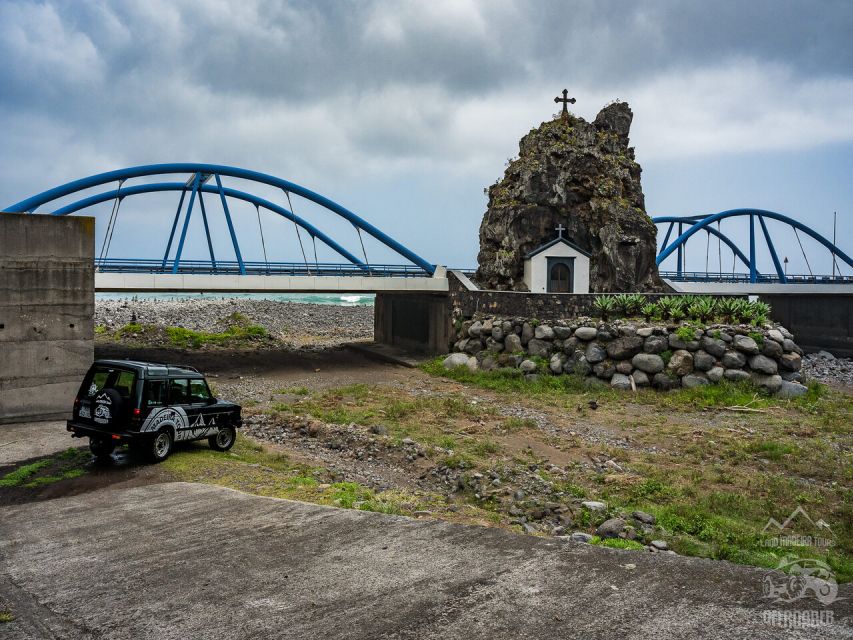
<point x="743" y="310"/>
<point x="622" y="304"/>
<point x="604" y="305"/>
<point x="727" y="308"/>
<point x="666" y="306"/>
<point x="677" y="314"/>
<point x="635" y="303"/>
<point x="703" y="308"/>
<point x="760" y="312"/>
<point x="649" y="311"/>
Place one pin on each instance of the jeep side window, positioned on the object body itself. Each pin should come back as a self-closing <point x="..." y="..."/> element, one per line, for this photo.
<point x="155" y="393"/>
<point x="179" y="391"/>
<point x="199" y="392"/>
<point x="124" y="383"/>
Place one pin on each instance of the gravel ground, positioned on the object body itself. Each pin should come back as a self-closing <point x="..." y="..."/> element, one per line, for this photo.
<point x="297" y="324"/>
<point x="826" y="368"/>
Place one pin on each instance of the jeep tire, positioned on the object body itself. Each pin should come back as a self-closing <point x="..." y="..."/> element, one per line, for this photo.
<point x="223" y="440"/>
<point x="160" y="446"/>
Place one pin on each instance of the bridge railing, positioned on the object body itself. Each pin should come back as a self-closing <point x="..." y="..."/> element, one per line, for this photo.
<point x="703" y="276"/>
<point x="224" y="267"/>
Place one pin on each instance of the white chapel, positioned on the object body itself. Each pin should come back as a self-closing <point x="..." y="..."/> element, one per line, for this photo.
<point x="559" y="266"/>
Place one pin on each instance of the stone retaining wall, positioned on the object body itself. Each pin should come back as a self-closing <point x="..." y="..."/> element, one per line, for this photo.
<point x="628" y="355"/>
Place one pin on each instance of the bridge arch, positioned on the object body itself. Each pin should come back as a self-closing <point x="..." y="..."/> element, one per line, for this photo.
<point x="197" y="185"/>
<point x="698" y="223"/>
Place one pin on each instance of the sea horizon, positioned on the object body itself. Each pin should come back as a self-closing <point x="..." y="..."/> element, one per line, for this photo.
<point x="335" y="299"/>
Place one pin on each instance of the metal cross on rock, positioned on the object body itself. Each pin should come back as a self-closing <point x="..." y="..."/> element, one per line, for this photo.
<point x="566" y="100"/>
<point x="559" y="229"/>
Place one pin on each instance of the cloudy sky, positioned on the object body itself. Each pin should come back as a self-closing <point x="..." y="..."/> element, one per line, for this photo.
<point x="405" y="111"/>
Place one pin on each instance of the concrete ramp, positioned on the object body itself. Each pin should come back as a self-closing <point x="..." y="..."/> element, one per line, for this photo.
<point x="195" y="561"/>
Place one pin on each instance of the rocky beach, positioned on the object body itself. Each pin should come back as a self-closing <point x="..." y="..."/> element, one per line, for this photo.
<point x="295" y="324"/>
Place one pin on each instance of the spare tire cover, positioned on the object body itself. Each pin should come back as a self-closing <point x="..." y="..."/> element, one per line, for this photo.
<point x="107" y="405"/>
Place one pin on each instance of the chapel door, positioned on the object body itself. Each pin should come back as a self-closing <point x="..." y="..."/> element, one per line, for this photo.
<point x="560" y="278"/>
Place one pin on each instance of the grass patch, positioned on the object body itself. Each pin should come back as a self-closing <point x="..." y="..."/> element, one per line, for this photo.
<point x="6" y="616"/>
<point x="61" y="466"/>
<point x="22" y="474"/>
<point x="771" y="449"/>
<point x="232" y="336"/>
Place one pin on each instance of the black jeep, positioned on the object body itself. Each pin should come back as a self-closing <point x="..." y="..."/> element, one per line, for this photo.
<point x="150" y="406"/>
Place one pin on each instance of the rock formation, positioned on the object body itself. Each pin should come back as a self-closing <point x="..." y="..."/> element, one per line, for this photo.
<point x="581" y="175"/>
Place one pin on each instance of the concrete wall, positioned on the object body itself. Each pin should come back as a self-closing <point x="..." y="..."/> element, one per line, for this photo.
<point x="47" y="305"/>
<point x="817" y="320"/>
<point x="414" y="322"/>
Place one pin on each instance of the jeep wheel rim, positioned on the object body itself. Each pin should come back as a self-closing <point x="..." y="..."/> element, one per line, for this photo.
<point x="161" y="445"/>
<point x="223" y="438"/>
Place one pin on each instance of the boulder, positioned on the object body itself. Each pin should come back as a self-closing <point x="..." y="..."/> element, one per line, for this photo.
<point x="625" y="348"/>
<point x="703" y="361"/>
<point x="776" y="336"/>
<point x="684" y="345"/>
<point x="493" y="345"/>
<point x="770" y="382"/>
<point x="655" y="344"/>
<point x="790" y="361"/>
<point x="456" y="360"/>
<point x="577" y="364"/>
<point x="475" y="329"/>
<point x="771" y="349"/>
<point x="694" y="380"/>
<point x="624" y="367"/>
<point x="527" y="333"/>
<point x="604" y="370"/>
<point x="474" y="346"/>
<point x="648" y="362"/>
<point x="610" y="528"/>
<point x="733" y="360"/>
<point x="586" y="333"/>
<point x="641" y="378"/>
<point x="512" y="343"/>
<point x="791" y="347"/>
<point x="645" y="332"/>
<point x="763" y="364"/>
<point x="715" y="374"/>
<point x="791" y="389"/>
<point x="527" y="366"/>
<point x="593" y="505"/>
<point x="497" y="333"/>
<point x="620" y="381"/>
<point x="791" y="376"/>
<point x="745" y="344"/>
<point x="543" y="332"/>
<point x="713" y="346"/>
<point x="562" y="333"/>
<point x="595" y="353"/>
<point x="681" y="362"/>
<point x="556" y="364"/>
<point x="539" y="348"/>
<point x="736" y="375"/>
<point x="663" y="381"/>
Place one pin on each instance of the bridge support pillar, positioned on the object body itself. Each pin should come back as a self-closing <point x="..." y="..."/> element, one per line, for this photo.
<point x="416" y="322"/>
<point x="47" y="305"/>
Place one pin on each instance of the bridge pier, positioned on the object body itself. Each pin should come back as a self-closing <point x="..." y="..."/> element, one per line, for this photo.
<point x="416" y="322"/>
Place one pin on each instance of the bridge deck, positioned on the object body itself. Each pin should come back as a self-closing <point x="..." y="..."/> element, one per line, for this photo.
<point x="225" y="283"/>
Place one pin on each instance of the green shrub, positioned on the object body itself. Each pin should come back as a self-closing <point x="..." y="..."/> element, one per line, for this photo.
<point x="686" y="334"/>
<point x="703" y="308"/>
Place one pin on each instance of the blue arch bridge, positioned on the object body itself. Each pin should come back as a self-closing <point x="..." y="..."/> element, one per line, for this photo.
<point x="354" y="272"/>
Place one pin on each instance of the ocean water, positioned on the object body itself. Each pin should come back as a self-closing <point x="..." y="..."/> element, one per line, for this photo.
<point x="337" y="299"/>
